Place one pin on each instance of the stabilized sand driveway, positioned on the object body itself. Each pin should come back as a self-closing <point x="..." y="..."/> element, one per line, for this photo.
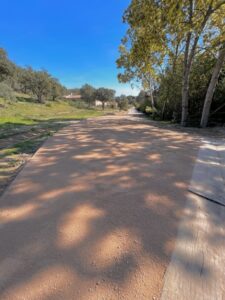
<point x="95" y="214"/>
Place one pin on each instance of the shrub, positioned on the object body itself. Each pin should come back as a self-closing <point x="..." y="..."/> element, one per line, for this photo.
<point x="123" y="103"/>
<point x="149" y="110"/>
<point x="6" y="92"/>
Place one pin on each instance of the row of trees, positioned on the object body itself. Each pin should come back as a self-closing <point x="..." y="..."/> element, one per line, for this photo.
<point x="105" y="95"/>
<point x="42" y="85"/>
<point x="165" y="43"/>
<point x="26" y="80"/>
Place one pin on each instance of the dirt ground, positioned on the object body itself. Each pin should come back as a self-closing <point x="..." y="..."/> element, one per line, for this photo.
<point x="17" y="146"/>
<point x="94" y="214"/>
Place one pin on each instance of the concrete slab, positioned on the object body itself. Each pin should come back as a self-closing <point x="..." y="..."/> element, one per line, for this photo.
<point x="197" y="266"/>
<point x="208" y="178"/>
<point x="196" y="270"/>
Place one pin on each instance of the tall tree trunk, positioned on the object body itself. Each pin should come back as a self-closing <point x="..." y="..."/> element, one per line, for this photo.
<point x="103" y="105"/>
<point x="152" y="99"/>
<point x="186" y="72"/>
<point x="40" y="98"/>
<point x="175" y="57"/>
<point x="163" y="109"/>
<point x="189" y="56"/>
<point x="185" y="84"/>
<point x="150" y="87"/>
<point x="151" y="93"/>
<point x="212" y="87"/>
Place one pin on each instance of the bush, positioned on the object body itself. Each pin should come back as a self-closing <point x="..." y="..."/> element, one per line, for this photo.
<point x="6" y="92"/>
<point x="112" y="104"/>
<point x="78" y="104"/>
<point x="149" y="110"/>
<point x="123" y="103"/>
<point x="141" y="106"/>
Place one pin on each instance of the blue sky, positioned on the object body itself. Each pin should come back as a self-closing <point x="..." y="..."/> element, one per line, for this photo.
<point x="76" y="41"/>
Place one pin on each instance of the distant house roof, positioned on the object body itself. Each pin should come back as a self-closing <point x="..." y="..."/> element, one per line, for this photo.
<point x="72" y="96"/>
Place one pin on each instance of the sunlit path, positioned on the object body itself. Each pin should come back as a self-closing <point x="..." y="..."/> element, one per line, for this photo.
<point x="134" y="111"/>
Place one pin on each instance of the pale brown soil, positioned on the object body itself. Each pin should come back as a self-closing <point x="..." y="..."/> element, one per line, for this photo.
<point x="94" y="214"/>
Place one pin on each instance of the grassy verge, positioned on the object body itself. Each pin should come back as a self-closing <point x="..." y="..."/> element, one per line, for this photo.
<point x="25" y="112"/>
<point x="25" y="125"/>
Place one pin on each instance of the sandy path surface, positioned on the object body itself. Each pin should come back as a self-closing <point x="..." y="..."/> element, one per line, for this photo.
<point x="94" y="215"/>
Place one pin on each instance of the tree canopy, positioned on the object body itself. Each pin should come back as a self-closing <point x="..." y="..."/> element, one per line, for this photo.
<point x="38" y="83"/>
<point x="163" y="40"/>
<point x="88" y="93"/>
<point x="6" y="66"/>
<point x="105" y="95"/>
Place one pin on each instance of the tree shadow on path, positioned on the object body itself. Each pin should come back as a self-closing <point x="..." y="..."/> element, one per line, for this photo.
<point x="94" y="215"/>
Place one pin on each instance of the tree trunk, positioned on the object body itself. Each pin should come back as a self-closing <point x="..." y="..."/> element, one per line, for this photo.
<point x="152" y="99"/>
<point x="147" y="79"/>
<point x="188" y="59"/>
<point x="185" y="99"/>
<point x="39" y="98"/>
<point x="103" y="105"/>
<point x="185" y="84"/>
<point x="151" y="94"/>
<point x="163" y="109"/>
<point x="212" y="87"/>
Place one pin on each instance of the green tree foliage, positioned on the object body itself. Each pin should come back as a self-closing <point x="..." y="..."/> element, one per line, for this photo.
<point x="122" y="102"/>
<point x="56" y="90"/>
<point x="131" y="100"/>
<point x="169" y="92"/>
<point x="6" y="67"/>
<point x="26" y="80"/>
<point x="142" y="101"/>
<point x="105" y="95"/>
<point x="37" y="82"/>
<point x="88" y="94"/>
<point x="162" y="42"/>
<point x="40" y="84"/>
<point x="212" y="87"/>
<point x="6" y="92"/>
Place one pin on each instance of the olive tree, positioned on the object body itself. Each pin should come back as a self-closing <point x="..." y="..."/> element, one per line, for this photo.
<point x="105" y="95"/>
<point x="6" y="67"/>
<point x="88" y="93"/>
<point x="122" y="102"/>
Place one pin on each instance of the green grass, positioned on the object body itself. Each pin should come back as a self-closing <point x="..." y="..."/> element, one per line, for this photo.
<point x="28" y="113"/>
<point x="28" y="147"/>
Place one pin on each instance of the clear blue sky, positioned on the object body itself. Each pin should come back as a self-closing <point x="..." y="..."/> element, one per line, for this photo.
<point x="76" y="41"/>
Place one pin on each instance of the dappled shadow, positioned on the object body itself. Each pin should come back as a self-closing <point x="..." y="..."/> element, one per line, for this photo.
<point x="26" y="99"/>
<point x="208" y="179"/>
<point x="94" y="215"/>
<point x="196" y="270"/>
